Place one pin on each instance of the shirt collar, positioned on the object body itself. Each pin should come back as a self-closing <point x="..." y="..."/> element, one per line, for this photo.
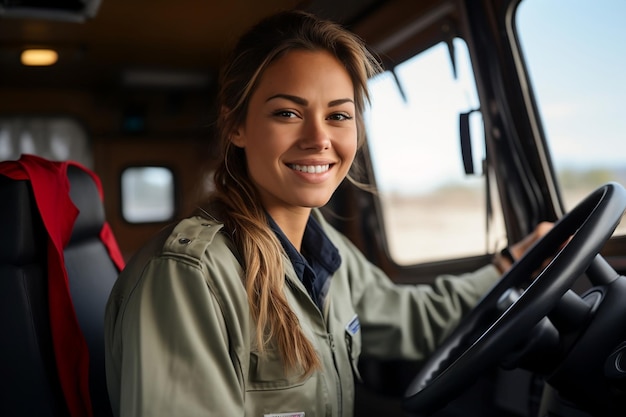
<point x="320" y="261"/>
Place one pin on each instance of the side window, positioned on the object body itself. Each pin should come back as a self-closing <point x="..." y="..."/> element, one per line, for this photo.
<point x="414" y="142"/>
<point x="147" y="194"/>
<point x="577" y="74"/>
<point x="55" y="138"/>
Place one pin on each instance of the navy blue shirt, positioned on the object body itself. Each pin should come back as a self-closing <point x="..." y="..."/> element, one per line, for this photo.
<point x="317" y="261"/>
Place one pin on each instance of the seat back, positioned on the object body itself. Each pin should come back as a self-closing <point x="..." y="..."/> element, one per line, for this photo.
<point x="29" y="381"/>
<point x="28" y="378"/>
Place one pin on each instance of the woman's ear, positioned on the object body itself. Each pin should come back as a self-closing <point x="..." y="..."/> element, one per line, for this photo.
<point x="237" y="138"/>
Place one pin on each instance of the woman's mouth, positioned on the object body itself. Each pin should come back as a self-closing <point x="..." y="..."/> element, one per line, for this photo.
<point x="310" y="169"/>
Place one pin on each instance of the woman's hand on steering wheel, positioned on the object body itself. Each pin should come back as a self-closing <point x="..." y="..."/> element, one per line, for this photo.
<point x="516" y="251"/>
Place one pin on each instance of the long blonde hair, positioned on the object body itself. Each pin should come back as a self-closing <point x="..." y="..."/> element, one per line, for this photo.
<point x="236" y="197"/>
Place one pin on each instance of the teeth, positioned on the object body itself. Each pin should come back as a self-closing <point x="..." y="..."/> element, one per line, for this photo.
<point x="310" y="169"/>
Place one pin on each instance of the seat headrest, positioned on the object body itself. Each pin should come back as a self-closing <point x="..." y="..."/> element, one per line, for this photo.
<point x="19" y="218"/>
<point x="86" y="197"/>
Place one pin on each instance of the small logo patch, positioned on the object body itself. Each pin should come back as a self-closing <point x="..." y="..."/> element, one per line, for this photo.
<point x="296" y="414"/>
<point x="354" y="325"/>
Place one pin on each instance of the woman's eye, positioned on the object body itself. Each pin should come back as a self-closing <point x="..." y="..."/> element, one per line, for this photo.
<point x="286" y="114"/>
<point x="340" y="116"/>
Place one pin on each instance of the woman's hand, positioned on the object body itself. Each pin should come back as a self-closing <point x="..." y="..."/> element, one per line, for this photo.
<point x="503" y="261"/>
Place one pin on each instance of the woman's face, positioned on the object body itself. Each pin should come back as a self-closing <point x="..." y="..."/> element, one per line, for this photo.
<point x="300" y="134"/>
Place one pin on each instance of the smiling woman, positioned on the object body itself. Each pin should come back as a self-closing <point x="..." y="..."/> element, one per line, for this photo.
<point x="290" y="122"/>
<point x="257" y="299"/>
<point x="284" y="259"/>
<point x="299" y="136"/>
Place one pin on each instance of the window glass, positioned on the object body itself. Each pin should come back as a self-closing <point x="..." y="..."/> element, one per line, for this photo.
<point x="577" y="74"/>
<point x="432" y="210"/>
<point x="147" y="194"/>
<point x="54" y="138"/>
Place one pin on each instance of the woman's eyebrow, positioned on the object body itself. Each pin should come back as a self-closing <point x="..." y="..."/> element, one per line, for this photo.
<point x="340" y="101"/>
<point x="304" y="102"/>
<point x="295" y="99"/>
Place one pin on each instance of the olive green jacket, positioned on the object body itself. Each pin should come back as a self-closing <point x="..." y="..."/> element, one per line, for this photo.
<point x="179" y="336"/>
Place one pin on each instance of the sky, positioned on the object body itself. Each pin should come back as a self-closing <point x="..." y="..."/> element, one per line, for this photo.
<point x="578" y="69"/>
<point x="575" y="55"/>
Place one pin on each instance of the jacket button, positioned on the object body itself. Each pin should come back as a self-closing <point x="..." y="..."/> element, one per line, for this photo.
<point x="184" y="241"/>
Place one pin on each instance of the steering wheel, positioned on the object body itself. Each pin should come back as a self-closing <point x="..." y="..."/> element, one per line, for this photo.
<point x="576" y="238"/>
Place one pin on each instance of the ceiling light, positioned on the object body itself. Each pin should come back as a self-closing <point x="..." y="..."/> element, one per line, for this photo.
<point x="39" y="57"/>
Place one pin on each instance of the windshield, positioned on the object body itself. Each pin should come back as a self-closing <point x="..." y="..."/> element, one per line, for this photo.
<point x="576" y="64"/>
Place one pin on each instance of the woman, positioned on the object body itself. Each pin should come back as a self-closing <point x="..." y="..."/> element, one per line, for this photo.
<point x="256" y="306"/>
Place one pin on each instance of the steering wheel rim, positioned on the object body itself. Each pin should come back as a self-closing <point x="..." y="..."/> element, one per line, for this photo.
<point x="590" y="224"/>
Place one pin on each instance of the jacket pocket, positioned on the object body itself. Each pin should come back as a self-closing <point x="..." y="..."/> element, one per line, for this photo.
<point x="267" y="372"/>
<point x="271" y="392"/>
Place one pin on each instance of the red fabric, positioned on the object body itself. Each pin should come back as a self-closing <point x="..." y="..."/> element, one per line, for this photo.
<point x="51" y="189"/>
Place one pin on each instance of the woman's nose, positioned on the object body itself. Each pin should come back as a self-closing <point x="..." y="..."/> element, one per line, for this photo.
<point x="315" y="135"/>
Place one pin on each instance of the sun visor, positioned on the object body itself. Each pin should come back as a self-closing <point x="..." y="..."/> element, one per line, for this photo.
<point x="63" y="10"/>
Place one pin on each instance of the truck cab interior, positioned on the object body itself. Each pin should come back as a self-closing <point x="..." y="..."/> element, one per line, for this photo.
<point x="491" y="116"/>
